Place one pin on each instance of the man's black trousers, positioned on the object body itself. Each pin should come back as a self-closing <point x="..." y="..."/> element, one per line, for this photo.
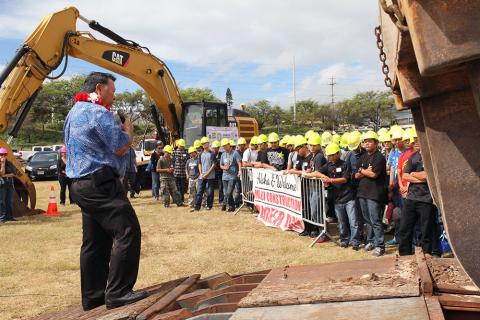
<point x="425" y="214"/>
<point x="110" y="252"/>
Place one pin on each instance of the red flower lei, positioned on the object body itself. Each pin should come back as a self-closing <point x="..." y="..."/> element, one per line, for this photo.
<point x="86" y="97"/>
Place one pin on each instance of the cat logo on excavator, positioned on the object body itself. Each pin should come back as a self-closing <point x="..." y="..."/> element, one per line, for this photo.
<point x="117" y="57"/>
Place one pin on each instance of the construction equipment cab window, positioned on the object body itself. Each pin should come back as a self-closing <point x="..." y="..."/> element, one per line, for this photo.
<point x="198" y="115"/>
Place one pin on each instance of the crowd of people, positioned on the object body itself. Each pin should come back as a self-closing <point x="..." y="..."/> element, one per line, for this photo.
<point x="375" y="181"/>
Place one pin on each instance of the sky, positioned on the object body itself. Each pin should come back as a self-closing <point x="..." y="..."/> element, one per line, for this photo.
<point x="245" y="45"/>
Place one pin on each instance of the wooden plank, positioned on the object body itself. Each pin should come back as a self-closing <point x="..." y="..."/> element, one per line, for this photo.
<point x="425" y="277"/>
<point x="386" y="277"/>
<point x="450" y="288"/>
<point x="412" y="308"/>
<point x="459" y="300"/>
<point x="434" y="308"/>
<point x="170" y="297"/>
<point x="213" y="280"/>
<point x="179" y="314"/>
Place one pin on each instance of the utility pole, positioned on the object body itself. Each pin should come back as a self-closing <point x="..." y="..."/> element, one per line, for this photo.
<point x="332" y="83"/>
<point x="294" y="94"/>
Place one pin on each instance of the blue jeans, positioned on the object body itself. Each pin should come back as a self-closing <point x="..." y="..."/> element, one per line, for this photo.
<point x="238" y="192"/>
<point x="315" y="207"/>
<point x="372" y="215"/>
<point x="202" y="185"/>
<point x="6" y="202"/>
<point x="155" y="184"/>
<point x="228" y="186"/>
<point x="347" y="222"/>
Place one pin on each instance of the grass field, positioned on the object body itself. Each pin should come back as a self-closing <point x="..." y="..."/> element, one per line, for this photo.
<point x="39" y="255"/>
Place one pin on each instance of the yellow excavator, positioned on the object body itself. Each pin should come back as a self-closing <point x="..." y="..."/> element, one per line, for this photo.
<point x="54" y="41"/>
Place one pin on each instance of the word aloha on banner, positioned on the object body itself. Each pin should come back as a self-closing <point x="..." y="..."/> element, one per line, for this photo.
<point x="278" y="198"/>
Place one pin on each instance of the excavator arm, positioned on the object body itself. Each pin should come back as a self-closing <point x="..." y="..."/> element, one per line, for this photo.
<point x="52" y="42"/>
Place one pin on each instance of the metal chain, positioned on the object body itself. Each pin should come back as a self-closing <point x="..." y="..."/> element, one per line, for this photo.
<point x="395" y="14"/>
<point x="383" y="58"/>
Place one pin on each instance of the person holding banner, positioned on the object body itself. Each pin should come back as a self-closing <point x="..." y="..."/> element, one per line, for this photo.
<point x="206" y="167"/>
<point x="250" y="155"/>
<point x="275" y="157"/>
<point x="337" y="173"/>
<point x="230" y="163"/>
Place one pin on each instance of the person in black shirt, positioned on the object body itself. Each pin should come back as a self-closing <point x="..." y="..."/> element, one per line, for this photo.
<point x="418" y="206"/>
<point x="7" y="172"/>
<point x="372" y="192"/>
<point x="275" y="157"/>
<point x="337" y="174"/>
<point x="63" y="180"/>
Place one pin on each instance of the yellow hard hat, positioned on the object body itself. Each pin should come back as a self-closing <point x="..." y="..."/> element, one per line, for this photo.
<point x="197" y="144"/>
<point x="370" y="135"/>
<point x="336" y="139"/>
<point x="314" y="139"/>
<point x="344" y="140"/>
<point x="232" y="143"/>
<point x="396" y="132"/>
<point x="192" y="150"/>
<point x="168" y="148"/>
<point x="332" y="148"/>
<point x="407" y="134"/>
<point x="291" y="141"/>
<point x="413" y="132"/>
<point x="300" y="140"/>
<point x="204" y="140"/>
<point x="273" y="137"/>
<point x="308" y="134"/>
<point x="241" y="141"/>
<point x="282" y="142"/>
<point x="382" y="131"/>
<point x="254" y="140"/>
<point x="354" y="140"/>
<point x="215" y="144"/>
<point x="384" y="137"/>
<point x="224" y="142"/>
<point x="262" y="138"/>
<point x="326" y="138"/>
<point x="180" y="143"/>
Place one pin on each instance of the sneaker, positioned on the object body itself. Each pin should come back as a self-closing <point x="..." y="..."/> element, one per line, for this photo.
<point x="344" y="245"/>
<point x="12" y="219"/>
<point x="231" y="209"/>
<point x="378" y="252"/>
<point x="224" y="208"/>
<point x="392" y="242"/>
<point x="209" y="208"/>
<point x="62" y="204"/>
<point x="314" y="234"/>
<point x="355" y="247"/>
<point x="192" y="209"/>
<point x="322" y="239"/>
<point x="166" y="205"/>
<point x="304" y="233"/>
<point x="369" y="247"/>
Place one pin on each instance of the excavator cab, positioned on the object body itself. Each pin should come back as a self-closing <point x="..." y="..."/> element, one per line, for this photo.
<point x="198" y="115"/>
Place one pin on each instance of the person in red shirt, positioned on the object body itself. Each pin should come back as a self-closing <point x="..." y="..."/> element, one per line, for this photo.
<point x="408" y="139"/>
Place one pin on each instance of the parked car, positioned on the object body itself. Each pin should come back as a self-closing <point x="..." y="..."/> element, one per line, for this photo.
<point x="56" y="147"/>
<point x="42" y="164"/>
<point x="42" y="148"/>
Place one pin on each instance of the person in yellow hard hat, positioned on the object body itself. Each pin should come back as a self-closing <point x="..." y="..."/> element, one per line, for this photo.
<point x="274" y="157"/>
<point x="218" y="173"/>
<point x="303" y="156"/>
<point x="180" y="157"/>
<point x="192" y="173"/>
<point x="198" y="145"/>
<point x="262" y="147"/>
<point x="292" y="155"/>
<point x="372" y="192"/>
<point x="230" y="163"/>
<point x="250" y="155"/>
<point x="168" y="186"/>
<point x="336" y="173"/>
<point x="207" y="175"/>
<point x="152" y="168"/>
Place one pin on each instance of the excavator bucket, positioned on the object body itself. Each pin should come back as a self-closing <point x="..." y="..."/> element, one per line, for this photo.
<point x="25" y="195"/>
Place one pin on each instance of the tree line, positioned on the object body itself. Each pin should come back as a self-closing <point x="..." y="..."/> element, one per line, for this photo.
<point x="55" y="100"/>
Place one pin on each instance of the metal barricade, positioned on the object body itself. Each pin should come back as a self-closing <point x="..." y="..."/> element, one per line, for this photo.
<point x="314" y="206"/>
<point x="246" y="178"/>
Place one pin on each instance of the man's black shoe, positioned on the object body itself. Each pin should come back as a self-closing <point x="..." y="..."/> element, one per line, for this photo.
<point x="129" y="298"/>
<point x="231" y="209"/>
<point x="344" y="244"/>
<point x="314" y="234"/>
<point x="304" y="233"/>
<point x="224" y="208"/>
<point x="355" y="247"/>
<point x="93" y="305"/>
<point x="12" y="219"/>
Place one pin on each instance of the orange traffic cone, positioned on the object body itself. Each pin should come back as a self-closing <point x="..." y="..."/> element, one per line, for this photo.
<point x="52" y="203"/>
